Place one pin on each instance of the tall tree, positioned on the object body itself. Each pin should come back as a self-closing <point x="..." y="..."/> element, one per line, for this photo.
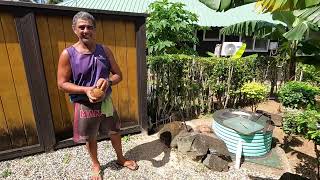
<point x="170" y="28"/>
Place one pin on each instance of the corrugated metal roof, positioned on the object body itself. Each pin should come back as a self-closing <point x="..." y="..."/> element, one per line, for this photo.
<point x="206" y="16"/>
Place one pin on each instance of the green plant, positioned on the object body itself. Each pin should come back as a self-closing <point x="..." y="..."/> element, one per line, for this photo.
<point x="6" y="173"/>
<point x="289" y="123"/>
<point x="300" y="34"/>
<point x="296" y="94"/>
<point x="170" y="28"/>
<point x="307" y="125"/>
<point x="254" y="92"/>
<point x="308" y="73"/>
<point x="126" y="138"/>
<point x="222" y="5"/>
<point x="195" y="85"/>
<point x="303" y="123"/>
<point x="67" y="158"/>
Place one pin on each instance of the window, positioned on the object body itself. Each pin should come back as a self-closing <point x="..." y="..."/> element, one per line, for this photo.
<point x="249" y="41"/>
<point x="261" y="44"/>
<point x="211" y="35"/>
<point x="231" y="38"/>
<point x="255" y="45"/>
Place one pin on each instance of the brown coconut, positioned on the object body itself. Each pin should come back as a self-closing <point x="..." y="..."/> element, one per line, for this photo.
<point x="97" y="93"/>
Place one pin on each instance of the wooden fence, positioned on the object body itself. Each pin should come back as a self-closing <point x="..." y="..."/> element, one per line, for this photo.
<point x="34" y="115"/>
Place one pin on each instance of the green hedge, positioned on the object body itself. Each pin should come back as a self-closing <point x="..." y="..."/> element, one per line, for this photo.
<point x="192" y="85"/>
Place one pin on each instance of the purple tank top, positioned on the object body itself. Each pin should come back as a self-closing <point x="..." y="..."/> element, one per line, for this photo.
<point x="87" y="69"/>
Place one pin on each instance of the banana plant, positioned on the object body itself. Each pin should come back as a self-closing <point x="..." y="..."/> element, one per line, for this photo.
<point x="223" y="5"/>
<point x="299" y="27"/>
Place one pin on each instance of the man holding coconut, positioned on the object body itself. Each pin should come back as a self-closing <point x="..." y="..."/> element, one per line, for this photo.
<point x="83" y="72"/>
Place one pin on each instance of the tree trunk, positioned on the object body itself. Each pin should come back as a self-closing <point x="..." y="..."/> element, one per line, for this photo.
<point x="292" y="69"/>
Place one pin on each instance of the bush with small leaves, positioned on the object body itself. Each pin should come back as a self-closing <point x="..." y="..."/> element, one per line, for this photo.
<point x="254" y="92"/>
<point x="296" y="94"/>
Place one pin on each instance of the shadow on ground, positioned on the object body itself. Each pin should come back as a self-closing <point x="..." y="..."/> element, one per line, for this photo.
<point x="307" y="166"/>
<point x="150" y="151"/>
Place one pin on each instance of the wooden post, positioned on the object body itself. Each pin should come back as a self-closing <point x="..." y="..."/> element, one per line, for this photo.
<point x="30" y="48"/>
<point x="142" y="72"/>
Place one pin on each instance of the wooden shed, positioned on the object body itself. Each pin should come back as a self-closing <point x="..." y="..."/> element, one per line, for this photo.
<point x="34" y="115"/>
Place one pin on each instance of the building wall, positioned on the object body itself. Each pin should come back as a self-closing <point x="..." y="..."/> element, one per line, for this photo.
<point x="17" y="122"/>
<point x="34" y="115"/>
<point x="209" y="45"/>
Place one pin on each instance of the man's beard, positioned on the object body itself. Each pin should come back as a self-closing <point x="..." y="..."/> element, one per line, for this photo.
<point x="85" y="40"/>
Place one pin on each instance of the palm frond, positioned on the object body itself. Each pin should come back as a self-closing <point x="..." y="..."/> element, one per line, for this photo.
<point x="285" y="5"/>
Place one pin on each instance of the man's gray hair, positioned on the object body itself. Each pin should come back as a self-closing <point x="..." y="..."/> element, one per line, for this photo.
<point x="85" y="16"/>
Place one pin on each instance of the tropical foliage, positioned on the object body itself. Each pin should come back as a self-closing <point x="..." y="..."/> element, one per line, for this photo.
<point x="297" y="32"/>
<point x="170" y="28"/>
<point x="297" y="94"/>
<point x="302" y="122"/>
<point x="198" y="85"/>
<point x="254" y="92"/>
<point x="222" y="5"/>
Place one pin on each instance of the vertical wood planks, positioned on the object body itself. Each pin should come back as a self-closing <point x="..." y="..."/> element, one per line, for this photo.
<point x="15" y="95"/>
<point x="132" y="72"/>
<point x="121" y="56"/>
<point x="109" y="39"/>
<point x="50" y="71"/>
<point x="70" y="39"/>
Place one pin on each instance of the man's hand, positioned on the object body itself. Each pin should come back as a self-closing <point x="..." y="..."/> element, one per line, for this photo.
<point x="97" y="92"/>
<point x="102" y="84"/>
<point x="88" y="91"/>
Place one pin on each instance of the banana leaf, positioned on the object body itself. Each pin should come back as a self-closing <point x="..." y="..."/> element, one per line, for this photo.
<point x="259" y="29"/>
<point x="300" y="31"/>
<point x="310" y="14"/>
<point x="285" y="5"/>
<point x="240" y="52"/>
<point x="212" y="4"/>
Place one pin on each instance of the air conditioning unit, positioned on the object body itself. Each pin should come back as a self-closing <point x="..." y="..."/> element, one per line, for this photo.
<point x="273" y="45"/>
<point x="217" y="50"/>
<point x="230" y="48"/>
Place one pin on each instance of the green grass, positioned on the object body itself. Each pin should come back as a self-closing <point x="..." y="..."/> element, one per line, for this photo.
<point x="28" y="160"/>
<point x="6" y="173"/>
<point x="67" y="158"/>
<point x="126" y="138"/>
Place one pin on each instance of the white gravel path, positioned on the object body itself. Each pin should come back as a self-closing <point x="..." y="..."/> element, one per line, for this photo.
<point x="155" y="160"/>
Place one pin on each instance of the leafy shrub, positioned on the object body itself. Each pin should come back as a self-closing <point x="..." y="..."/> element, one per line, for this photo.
<point x="170" y="28"/>
<point x="254" y="92"/>
<point x="289" y="123"/>
<point x="193" y="84"/>
<point x="308" y="73"/>
<point x="307" y="125"/>
<point x="303" y="123"/>
<point x="296" y="94"/>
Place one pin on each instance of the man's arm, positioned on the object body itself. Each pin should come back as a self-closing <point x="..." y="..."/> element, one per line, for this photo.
<point x="64" y="75"/>
<point x="116" y="76"/>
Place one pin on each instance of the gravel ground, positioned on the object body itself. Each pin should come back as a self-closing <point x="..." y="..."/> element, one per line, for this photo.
<point x="155" y="160"/>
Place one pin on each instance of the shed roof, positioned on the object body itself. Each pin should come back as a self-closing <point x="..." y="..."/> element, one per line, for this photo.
<point x="206" y="16"/>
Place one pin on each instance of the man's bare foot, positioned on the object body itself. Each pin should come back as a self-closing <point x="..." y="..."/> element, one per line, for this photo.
<point x="96" y="172"/>
<point x="130" y="164"/>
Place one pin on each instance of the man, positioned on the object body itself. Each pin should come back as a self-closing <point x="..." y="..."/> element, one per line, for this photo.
<point x="83" y="68"/>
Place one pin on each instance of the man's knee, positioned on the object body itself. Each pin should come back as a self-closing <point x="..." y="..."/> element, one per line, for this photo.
<point x="112" y="133"/>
